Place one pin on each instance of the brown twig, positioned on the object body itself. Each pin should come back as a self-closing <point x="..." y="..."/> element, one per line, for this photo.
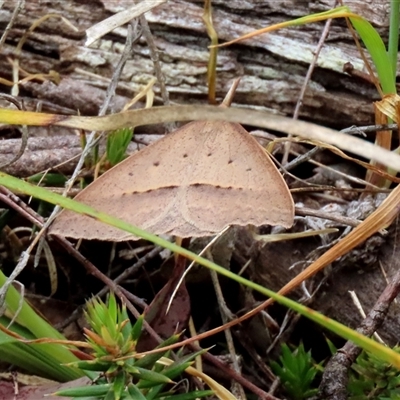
<point x="119" y="279"/>
<point x="309" y="212"/>
<point x="18" y="7"/>
<point x="25" y="133"/>
<point x="132" y="37"/>
<point x="36" y="219"/>
<point x="307" y="78"/>
<point x="335" y="377"/>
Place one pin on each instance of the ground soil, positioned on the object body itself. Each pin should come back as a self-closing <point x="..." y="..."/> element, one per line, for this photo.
<point x="273" y="69"/>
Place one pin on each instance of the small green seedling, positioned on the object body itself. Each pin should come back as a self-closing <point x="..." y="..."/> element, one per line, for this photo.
<point x="297" y="372"/>
<point x="121" y="373"/>
<point x="372" y="378"/>
<point x="117" y="144"/>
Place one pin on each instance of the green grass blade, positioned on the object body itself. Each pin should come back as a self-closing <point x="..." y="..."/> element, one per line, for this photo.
<point x="39" y="328"/>
<point x="393" y="46"/>
<point x="379" y="350"/>
<point x="35" y="359"/>
<point x="376" y="48"/>
<point x="27" y="317"/>
<point x="373" y="42"/>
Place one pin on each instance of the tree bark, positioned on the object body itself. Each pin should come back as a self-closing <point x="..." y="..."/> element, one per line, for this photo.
<point x="272" y="66"/>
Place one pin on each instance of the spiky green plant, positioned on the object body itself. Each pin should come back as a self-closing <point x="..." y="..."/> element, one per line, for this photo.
<point x="372" y="378"/>
<point x="122" y="375"/>
<point x="117" y="144"/>
<point x="297" y="371"/>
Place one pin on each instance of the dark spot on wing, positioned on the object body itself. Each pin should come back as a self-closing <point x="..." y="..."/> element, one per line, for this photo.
<point x="149" y="190"/>
<point x="196" y="185"/>
<point x="185" y="155"/>
<point x="156" y="164"/>
<point x="209" y="154"/>
<point x="130" y="174"/>
<point x="230" y="161"/>
<point x="248" y="169"/>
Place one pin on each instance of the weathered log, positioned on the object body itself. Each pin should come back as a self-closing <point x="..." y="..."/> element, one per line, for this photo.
<point x="272" y="66"/>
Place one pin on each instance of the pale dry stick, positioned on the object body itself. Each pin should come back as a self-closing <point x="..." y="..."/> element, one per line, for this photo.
<point x="279" y="237"/>
<point x="155" y="58"/>
<point x="20" y="303"/>
<point x="191" y="265"/>
<point x="383" y="269"/>
<point x="91" y="268"/>
<point x="38" y="221"/>
<point x="362" y="130"/>
<point x="16" y="203"/>
<point x="231" y="93"/>
<point x="324" y="188"/>
<point x="357" y="303"/>
<point x="119" y="279"/>
<point x="308" y="186"/>
<point x="310" y="71"/>
<point x="58" y="190"/>
<point x="157" y="65"/>
<point x="8" y="197"/>
<point x="217" y="363"/>
<point x="110" y="92"/>
<point x="92" y="75"/>
<point x="51" y="264"/>
<point x="134" y="118"/>
<point x="192" y="330"/>
<point x="226" y="315"/>
<point x="23" y="260"/>
<point x="25" y="132"/>
<point x="381" y="218"/>
<point x="130" y="40"/>
<point x="18" y="7"/>
<point x="335" y="377"/>
<point x="351" y="131"/>
<point x="147" y="91"/>
<point x="107" y="25"/>
<point x="302" y="158"/>
<point x="274" y="386"/>
<point x="309" y="212"/>
<point x="18" y="48"/>
<point x="156" y="115"/>
<point x="344" y="175"/>
<point x="354" y="130"/>
<point x="285" y="327"/>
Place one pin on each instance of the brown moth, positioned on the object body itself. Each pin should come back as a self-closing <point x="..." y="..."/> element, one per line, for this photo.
<point x="193" y="182"/>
